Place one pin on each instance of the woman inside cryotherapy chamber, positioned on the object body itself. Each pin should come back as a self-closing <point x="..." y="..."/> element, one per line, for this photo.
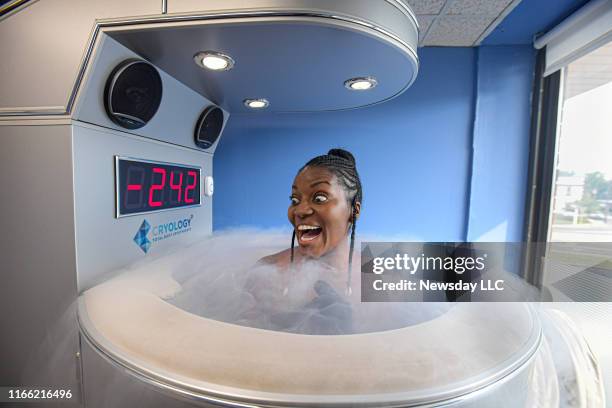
<point x="312" y="287"/>
<point x="325" y="205"/>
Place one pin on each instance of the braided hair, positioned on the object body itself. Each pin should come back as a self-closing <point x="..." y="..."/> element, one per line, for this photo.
<point x="341" y="163"/>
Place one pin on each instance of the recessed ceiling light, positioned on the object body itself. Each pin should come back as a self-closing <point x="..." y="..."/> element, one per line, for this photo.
<point x="215" y="61"/>
<point x="256" y="103"/>
<point x="361" y="84"/>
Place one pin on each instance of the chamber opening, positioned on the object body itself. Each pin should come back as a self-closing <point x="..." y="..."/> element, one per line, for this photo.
<point x="231" y="284"/>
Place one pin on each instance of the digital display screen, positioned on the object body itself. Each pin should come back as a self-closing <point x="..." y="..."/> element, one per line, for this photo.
<point x="146" y="186"/>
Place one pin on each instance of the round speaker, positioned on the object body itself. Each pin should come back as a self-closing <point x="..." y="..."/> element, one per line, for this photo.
<point x="133" y="93"/>
<point x="208" y="128"/>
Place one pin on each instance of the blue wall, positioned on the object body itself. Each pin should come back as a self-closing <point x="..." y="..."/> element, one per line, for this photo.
<point x="501" y="143"/>
<point x="414" y="153"/>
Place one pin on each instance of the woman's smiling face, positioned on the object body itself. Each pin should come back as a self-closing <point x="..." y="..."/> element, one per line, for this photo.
<point x="319" y="211"/>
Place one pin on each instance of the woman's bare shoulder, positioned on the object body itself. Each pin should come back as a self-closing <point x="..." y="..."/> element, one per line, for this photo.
<point x="280" y="259"/>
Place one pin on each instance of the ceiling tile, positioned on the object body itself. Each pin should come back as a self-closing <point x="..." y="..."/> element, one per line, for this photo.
<point x="477" y="7"/>
<point x="426" y="6"/>
<point x="456" y="31"/>
<point x="424" y="23"/>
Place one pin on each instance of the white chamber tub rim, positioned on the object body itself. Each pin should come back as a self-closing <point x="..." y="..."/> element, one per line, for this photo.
<point x="459" y="354"/>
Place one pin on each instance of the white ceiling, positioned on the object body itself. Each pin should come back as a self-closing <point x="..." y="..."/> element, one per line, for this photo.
<point x="458" y="23"/>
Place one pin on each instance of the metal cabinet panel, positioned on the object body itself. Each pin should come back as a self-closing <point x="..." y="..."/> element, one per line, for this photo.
<point x="390" y="14"/>
<point x="44" y="45"/>
<point x="39" y="339"/>
<point x="175" y="120"/>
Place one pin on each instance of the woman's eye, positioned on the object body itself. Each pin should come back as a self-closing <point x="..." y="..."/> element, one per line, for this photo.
<point x="320" y="198"/>
<point x="294" y="200"/>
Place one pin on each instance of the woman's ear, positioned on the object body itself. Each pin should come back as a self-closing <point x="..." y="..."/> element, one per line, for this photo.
<point x="357" y="209"/>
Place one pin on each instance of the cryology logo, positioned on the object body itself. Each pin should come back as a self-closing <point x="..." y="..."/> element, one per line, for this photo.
<point x="161" y="231"/>
<point x="141" y="238"/>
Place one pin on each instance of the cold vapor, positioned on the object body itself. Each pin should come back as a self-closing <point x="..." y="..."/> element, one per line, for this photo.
<point x="220" y="278"/>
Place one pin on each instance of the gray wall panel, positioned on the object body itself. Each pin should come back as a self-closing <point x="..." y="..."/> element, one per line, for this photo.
<point x="43" y="46"/>
<point x="39" y="339"/>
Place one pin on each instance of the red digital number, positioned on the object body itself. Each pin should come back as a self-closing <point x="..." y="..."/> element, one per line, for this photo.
<point x="178" y="187"/>
<point x="191" y="186"/>
<point x="157" y="187"/>
<point x="134" y="194"/>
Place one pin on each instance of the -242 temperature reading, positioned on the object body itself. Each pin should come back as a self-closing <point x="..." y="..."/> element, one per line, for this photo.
<point x="145" y="186"/>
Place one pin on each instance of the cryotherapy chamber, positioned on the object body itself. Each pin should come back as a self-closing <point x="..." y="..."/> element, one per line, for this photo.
<point x="125" y="120"/>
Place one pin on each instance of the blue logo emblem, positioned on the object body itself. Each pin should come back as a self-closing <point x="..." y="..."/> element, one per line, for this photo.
<point x="141" y="236"/>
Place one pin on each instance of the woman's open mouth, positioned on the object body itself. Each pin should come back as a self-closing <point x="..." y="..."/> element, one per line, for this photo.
<point x="307" y="233"/>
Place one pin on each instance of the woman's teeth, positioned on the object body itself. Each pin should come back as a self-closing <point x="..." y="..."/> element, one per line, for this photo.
<point x="303" y="227"/>
<point x="309" y="232"/>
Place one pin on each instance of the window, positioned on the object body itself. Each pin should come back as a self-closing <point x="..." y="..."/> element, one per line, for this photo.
<point x="582" y="195"/>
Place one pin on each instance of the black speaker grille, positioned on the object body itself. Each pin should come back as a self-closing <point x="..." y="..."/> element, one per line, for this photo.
<point x="133" y="93"/>
<point x="209" y="127"/>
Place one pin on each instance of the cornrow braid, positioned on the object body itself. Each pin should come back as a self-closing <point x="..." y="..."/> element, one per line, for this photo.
<point x="292" y="244"/>
<point x="341" y="163"/>
<point x="350" y="265"/>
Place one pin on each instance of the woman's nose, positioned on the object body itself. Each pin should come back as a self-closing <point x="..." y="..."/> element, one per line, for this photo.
<point x="303" y="210"/>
